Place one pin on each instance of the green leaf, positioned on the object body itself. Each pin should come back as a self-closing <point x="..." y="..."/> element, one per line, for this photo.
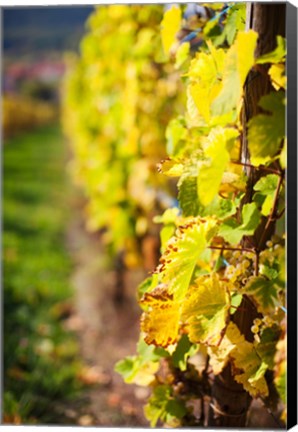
<point x="266" y="187"/>
<point x="175" y="132"/>
<point x="232" y="232"/>
<point x="264" y="291"/>
<point x="275" y="56"/>
<point x="163" y="406"/>
<point x="126" y="367"/>
<point x="134" y="370"/>
<point x="236" y="300"/>
<point x="210" y="172"/>
<point x="221" y="208"/>
<point x="175" y="409"/>
<point x="147" y="285"/>
<point x="239" y="61"/>
<point x="265" y="132"/>
<point x="235" y="21"/>
<point x="183" y="351"/>
<point x="182" y="54"/>
<point x="156" y="406"/>
<point x="266" y="348"/>
<point x="188" y="196"/>
<point x="149" y="352"/>
<point x="183" y="251"/>
<point x="205" y="310"/>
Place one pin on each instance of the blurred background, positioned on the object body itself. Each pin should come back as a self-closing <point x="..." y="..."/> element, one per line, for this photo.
<point x="53" y="324"/>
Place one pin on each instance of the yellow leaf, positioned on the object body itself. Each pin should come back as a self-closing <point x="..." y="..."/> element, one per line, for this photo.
<point x="200" y="97"/>
<point x="160" y="322"/>
<point x="246" y="45"/>
<point x="205" y="310"/>
<point x="211" y="172"/>
<point x="277" y="75"/>
<point x="170" y="167"/>
<point x="252" y="367"/>
<point x="220" y="355"/>
<point x="204" y="73"/>
<point x="170" y="25"/>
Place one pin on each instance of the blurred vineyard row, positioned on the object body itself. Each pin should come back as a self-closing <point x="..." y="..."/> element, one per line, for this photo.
<point x="22" y="114"/>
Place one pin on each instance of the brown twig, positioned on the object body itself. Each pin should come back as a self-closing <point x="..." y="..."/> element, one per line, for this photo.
<point x="260" y="167"/>
<point x="232" y="249"/>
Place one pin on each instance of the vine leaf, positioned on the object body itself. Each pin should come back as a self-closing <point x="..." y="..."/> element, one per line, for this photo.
<point x="264" y="291"/>
<point x="183" y="351"/>
<point x="182" y="54"/>
<point x="275" y="56"/>
<point x="162" y="405"/>
<point x="252" y="378"/>
<point x="204" y="72"/>
<point x="249" y="366"/>
<point x="175" y="132"/>
<point x="134" y="370"/>
<point x="266" y="188"/>
<point x="265" y="132"/>
<point x="277" y="75"/>
<point x="239" y="61"/>
<point x="140" y="369"/>
<point x="170" y="167"/>
<point x="170" y="25"/>
<point x="205" y="310"/>
<point x="232" y="232"/>
<point x="160" y="321"/>
<point x="182" y="253"/>
<point x="220" y="355"/>
<point x="188" y="195"/>
<point x="216" y="149"/>
<point x="266" y="349"/>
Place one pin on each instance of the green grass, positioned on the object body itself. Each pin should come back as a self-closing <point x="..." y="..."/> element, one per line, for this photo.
<point x="40" y="357"/>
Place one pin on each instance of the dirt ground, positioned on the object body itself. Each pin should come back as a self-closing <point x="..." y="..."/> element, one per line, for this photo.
<point x="107" y="333"/>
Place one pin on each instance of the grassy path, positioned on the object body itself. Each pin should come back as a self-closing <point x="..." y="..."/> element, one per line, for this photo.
<point x="40" y="357"/>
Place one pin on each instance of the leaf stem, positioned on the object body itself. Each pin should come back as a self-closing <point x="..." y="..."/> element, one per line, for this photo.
<point x="242" y="249"/>
<point x="261" y="167"/>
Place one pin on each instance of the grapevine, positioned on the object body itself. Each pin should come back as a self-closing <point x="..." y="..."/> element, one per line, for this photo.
<point x="216" y="304"/>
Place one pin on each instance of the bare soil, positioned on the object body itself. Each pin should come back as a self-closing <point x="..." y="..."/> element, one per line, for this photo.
<point x="107" y="333"/>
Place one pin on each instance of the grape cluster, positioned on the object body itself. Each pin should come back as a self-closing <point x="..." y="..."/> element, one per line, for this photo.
<point x="240" y="265"/>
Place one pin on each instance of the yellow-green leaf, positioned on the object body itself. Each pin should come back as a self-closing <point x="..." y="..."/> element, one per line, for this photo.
<point x="220" y="355"/>
<point x="205" y="310"/>
<point x="232" y="232"/>
<point x="275" y="56"/>
<point x="210" y="173"/>
<point x="277" y="75"/>
<point x="182" y="54"/>
<point x="265" y="132"/>
<point x="239" y="61"/>
<point x="264" y="291"/>
<point x="253" y="369"/>
<point x="182" y="253"/>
